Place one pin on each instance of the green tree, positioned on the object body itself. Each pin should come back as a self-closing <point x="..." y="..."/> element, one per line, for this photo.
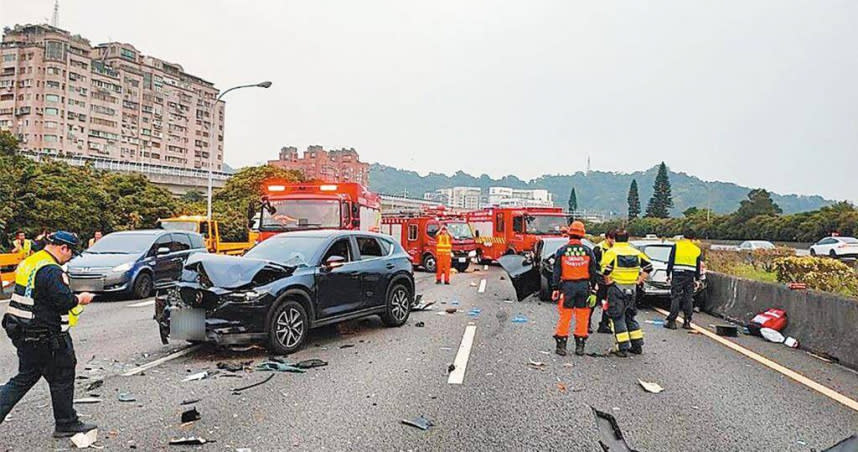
<point x="193" y="196"/>
<point x="634" y="200"/>
<point x="661" y="202"/>
<point x="8" y="143"/>
<point x="759" y="202"/>
<point x="573" y="201"/>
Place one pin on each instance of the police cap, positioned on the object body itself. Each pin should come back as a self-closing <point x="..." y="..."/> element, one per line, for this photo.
<point x="64" y="238"/>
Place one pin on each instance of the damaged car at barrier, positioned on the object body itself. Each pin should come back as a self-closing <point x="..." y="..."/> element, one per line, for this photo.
<point x="532" y="272"/>
<point x="656" y="285"/>
<point x="285" y="286"/>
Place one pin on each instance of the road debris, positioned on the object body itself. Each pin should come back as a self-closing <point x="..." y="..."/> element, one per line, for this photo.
<point x="654" y="322"/>
<point x="474" y="312"/>
<point x="727" y="330"/>
<point x="693" y="332"/>
<point x="519" y="318"/>
<point x="536" y="364"/>
<point x="772" y="335"/>
<point x="95" y="385"/>
<point x="85" y="440"/>
<point x="244" y="388"/>
<point x="277" y="367"/>
<point x="654" y="388"/>
<point x="189" y="441"/>
<point x="420" y="422"/>
<point x="190" y="415"/>
<point x="234" y="367"/>
<point x="197" y="376"/>
<point x="189" y="402"/>
<point x="827" y="359"/>
<point x="561" y="387"/>
<point x="419" y="324"/>
<point x="451" y="368"/>
<point x="310" y="363"/>
<point x="473" y="284"/>
<point x="425" y="306"/>
<point x="87" y="400"/>
<point x="451" y="310"/>
<point x="611" y="435"/>
<point x="347" y="345"/>
<point x="127" y="397"/>
<point x="791" y="342"/>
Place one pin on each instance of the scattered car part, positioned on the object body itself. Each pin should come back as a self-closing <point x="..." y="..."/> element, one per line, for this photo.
<point x="654" y="388"/>
<point x="190" y="440"/>
<point x="420" y="422"/>
<point x="310" y="363"/>
<point x="126" y="397"/>
<point x="612" y="437"/>
<point x="277" y="367"/>
<point x="190" y="415"/>
<point x="87" y="400"/>
<point x="95" y="385"/>
<point x="85" y="440"/>
<point x="197" y="376"/>
<point x="244" y="388"/>
<point x="727" y="330"/>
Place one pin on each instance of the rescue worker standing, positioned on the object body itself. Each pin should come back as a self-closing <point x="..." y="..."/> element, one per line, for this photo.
<point x="22" y="244"/>
<point x="683" y="272"/>
<point x="37" y="321"/>
<point x="601" y="294"/>
<point x="575" y="275"/>
<point x="443" y="256"/>
<point x="624" y="268"/>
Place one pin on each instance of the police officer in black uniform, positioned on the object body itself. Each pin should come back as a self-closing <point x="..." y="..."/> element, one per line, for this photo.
<point x="37" y="321"/>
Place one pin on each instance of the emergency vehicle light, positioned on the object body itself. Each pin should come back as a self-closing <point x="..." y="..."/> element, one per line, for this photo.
<point x="276" y="188"/>
<point x="328" y="187"/>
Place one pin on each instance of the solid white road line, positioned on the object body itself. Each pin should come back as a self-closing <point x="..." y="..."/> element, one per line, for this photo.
<point x="160" y="361"/>
<point x="482" y="286"/>
<point x="142" y="304"/>
<point x="824" y="390"/>
<point x="457" y="376"/>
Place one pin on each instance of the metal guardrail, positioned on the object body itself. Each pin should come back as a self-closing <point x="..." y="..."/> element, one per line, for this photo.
<point x="116" y="165"/>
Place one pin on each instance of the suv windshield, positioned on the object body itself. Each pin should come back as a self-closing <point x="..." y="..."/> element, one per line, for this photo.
<point x="459" y="231"/>
<point x="302" y="213"/>
<point x="286" y="250"/>
<point x="122" y="244"/>
<point x="546" y="224"/>
<point x="190" y="226"/>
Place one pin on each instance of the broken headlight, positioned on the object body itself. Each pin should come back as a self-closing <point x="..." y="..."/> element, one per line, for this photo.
<point x="248" y="296"/>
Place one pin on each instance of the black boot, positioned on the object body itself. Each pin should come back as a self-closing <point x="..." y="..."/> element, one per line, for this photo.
<point x="561" y="345"/>
<point x="604" y="329"/>
<point x="69" y="430"/>
<point x="670" y="324"/>
<point x="579" y="345"/>
<point x="620" y="353"/>
<point x="637" y="349"/>
<point x="686" y="325"/>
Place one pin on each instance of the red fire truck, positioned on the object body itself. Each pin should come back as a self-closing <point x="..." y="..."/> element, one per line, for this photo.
<point x="514" y="230"/>
<point x="290" y="206"/>
<point x="416" y="233"/>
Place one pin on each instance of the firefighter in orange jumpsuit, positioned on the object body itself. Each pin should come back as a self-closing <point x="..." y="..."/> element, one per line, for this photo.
<point x="443" y="256"/>
<point x="575" y="276"/>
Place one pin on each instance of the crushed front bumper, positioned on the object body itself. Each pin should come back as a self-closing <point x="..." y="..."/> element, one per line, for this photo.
<point x="203" y="316"/>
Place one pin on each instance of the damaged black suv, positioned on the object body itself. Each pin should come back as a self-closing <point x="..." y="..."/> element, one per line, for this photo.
<point x="287" y="285"/>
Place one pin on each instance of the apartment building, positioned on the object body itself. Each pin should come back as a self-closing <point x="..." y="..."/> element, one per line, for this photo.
<point x="513" y="197"/>
<point x="62" y="96"/>
<point x="339" y="165"/>
<point x="456" y="197"/>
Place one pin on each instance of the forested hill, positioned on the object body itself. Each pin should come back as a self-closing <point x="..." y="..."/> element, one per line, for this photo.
<point x="598" y="190"/>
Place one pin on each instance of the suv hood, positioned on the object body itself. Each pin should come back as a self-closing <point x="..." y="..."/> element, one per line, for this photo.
<point x="233" y="272"/>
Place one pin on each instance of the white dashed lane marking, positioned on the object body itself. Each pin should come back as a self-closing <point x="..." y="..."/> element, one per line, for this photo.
<point x="482" y="286"/>
<point x="457" y="376"/>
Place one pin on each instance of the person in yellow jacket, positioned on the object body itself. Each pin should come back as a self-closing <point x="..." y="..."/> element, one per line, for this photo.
<point x="683" y="272"/>
<point x="443" y="256"/>
<point x="37" y="320"/>
<point x="22" y="244"/>
<point x="623" y="269"/>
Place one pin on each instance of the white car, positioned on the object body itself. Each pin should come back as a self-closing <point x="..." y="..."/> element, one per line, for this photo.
<point x="751" y="245"/>
<point x="836" y="247"/>
<point x="658" y="252"/>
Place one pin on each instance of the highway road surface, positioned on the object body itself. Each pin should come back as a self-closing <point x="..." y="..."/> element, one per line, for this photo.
<point x="714" y="398"/>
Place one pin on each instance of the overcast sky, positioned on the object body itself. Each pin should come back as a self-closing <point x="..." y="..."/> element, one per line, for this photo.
<point x="762" y="93"/>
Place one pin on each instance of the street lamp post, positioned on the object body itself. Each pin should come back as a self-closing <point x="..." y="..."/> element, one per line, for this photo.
<point x="213" y="138"/>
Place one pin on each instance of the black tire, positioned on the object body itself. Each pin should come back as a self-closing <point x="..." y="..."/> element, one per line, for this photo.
<point x="398" y="305"/>
<point x="461" y="267"/>
<point x="813" y="252"/>
<point x="287" y="328"/>
<point x="429" y="263"/>
<point x="142" y="287"/>
<point x="832" y="254"/>
<point x="544" y="289"/>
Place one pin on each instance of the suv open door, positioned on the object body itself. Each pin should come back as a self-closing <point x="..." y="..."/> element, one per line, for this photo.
<point x="523" y="272"/>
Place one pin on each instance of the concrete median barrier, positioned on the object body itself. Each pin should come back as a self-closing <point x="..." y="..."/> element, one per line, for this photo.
<point x="823" y="323"/>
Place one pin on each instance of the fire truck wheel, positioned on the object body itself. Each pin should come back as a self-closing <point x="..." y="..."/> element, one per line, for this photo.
<point x="461" y="267"/>
<point x="429" y="263"/>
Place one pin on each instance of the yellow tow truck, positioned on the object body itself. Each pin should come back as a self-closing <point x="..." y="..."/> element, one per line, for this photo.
<point x="8" y="263"/>
<point x="210" y="231"/>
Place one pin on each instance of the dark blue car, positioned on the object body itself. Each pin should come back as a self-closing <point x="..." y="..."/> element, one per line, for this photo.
<point x="287" y="285"/>
<point x="133" y="263"/>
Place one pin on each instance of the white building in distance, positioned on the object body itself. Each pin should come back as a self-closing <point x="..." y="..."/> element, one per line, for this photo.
<point x="513" y="197"/>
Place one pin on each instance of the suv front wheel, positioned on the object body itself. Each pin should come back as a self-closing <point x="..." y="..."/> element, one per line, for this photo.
<point x="398" y="306"/>
<point x="288" y="328"/>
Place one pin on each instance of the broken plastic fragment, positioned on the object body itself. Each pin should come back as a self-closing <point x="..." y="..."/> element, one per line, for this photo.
<point x="196" y="376"/>
<point x="191" y="440"/>
<point x="88" y="400"/>
<point x="420" y="422"/>
<point x="278" y="367"/>
<point x="190" y="415"/>
<point x="419" y="324"/>
<point x="655" y="322"/>
<point x="95" y="385"/>
<point x="610" y="433"/>
<point x="190" y="402"/>
<point x="243" y="388"/>
<point x="519" y="318"/>
<point x="451" y="310"/>
<point x="84" y="440"/>
<point x="654" y="388"/>
<point x="310" y="363"/>
<point x="127" y="397"/>
<point x="422" y="306"/>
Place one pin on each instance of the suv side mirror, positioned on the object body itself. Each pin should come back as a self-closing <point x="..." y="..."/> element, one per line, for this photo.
<point x="162" y="251"/>
<point x="334" y="262"/>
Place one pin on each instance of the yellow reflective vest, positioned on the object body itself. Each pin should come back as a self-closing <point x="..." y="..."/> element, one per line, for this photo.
<point x="685" y="256"/>
<point x="444" y="245"/>
<point x="624" y="263"/>
<point x="22" y="301"/>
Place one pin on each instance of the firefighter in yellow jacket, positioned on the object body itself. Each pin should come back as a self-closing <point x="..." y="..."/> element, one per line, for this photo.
<point x="37" y="320"/>
<point x="624" y="268"/>
<point x="683" y="271"/>
<point x="443" y="256"/>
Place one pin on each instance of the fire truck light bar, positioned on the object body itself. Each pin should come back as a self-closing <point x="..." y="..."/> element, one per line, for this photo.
<point x="328" y="187"/>
<point x="276" y="188"/>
